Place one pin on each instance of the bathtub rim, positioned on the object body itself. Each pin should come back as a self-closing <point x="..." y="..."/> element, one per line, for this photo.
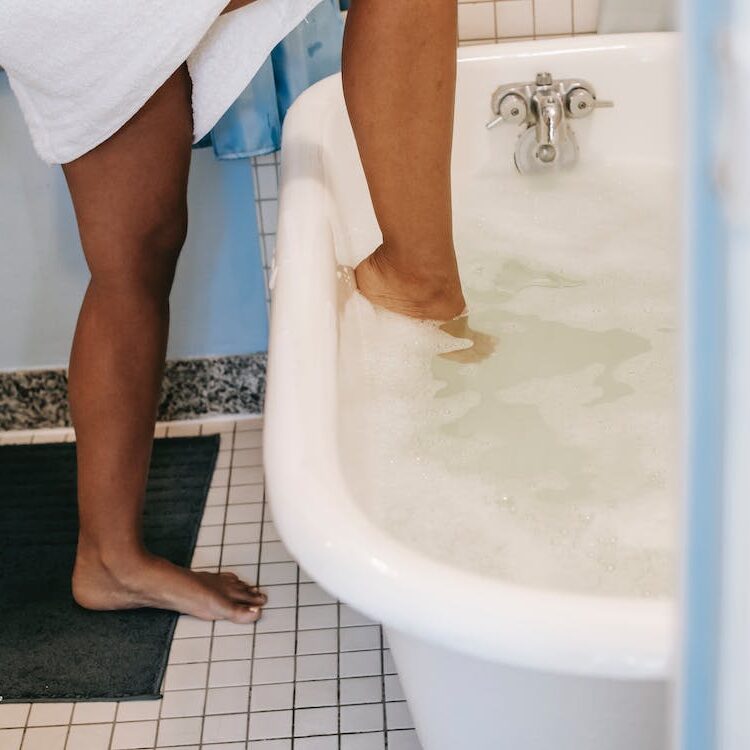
<point x="609" y="637"/>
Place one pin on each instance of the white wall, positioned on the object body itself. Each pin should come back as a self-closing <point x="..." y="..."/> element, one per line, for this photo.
<point x="219" y="299"/>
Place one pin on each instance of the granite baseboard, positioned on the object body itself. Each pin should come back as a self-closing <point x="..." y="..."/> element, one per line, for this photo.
<point x="192" y="388"/>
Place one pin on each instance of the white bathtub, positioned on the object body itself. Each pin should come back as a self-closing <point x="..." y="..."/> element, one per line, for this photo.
<point x="509" y="668"/>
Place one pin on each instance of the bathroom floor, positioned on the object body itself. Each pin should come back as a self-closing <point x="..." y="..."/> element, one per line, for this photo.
<point x="313" y="674"/>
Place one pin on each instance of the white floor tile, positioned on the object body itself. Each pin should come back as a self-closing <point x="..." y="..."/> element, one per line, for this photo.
<point x="317" y="617"/>
<point x="272" y="697"/>
<point x="247" y="457"/>
<point x="45" y="738"/>
<point x="270" y="671"/>
<point x="277" y="620"/>
<point x="316" y="694"/>
<point x="248" y="439"/>
<point x="134" y="735"/>
<point x="89" y="737"/>
<point x="274" y="644"/>
<point x="318" y="667"/>
<point x="94" y="713"/>
<point x="50" y="714"/>
<point x="360" y="638"/>
<point x="360" y="664"/>
<point x="247" y="493"/>
<point x="182" y="731"/>
<point x="181" y="704"/>
<point x="270" y="745"/>
<point x="227" y="700"/>
<point x="403" y="740"/>
<point x="10" y="739"/>
<point x="316" y="743"/>
<point x="185" y="676"/>
<point x="189" y="650"/>
<point x="361" y="690"/>
<point x="367" y="718"/>
<point x="138" y="710"/>
<point x="247" y="475"/>
<point x="309" y="593"/>
<point x="315" y="721"/>
<point x="229" y="673"/>
<point x="369" y="741"/>
<point x="232" y="647"/>
<point x="244" y="513"/>
<point x="192" y="627"/>
<point x="13" y="715"/>
<point x="270" y="725"/>
<point x="317" y="641"/>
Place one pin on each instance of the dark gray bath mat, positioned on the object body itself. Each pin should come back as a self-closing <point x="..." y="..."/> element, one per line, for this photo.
<point x="50" y="648"/>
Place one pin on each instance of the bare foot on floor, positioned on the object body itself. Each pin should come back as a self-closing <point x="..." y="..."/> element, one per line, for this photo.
<point x="149" y="581"/>
<point x="426" y="296"/>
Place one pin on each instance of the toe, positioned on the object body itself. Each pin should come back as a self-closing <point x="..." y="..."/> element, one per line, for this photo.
<point x="242" y="614"/>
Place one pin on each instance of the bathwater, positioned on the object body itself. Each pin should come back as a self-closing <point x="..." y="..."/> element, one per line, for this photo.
<point x="536" y="440"/>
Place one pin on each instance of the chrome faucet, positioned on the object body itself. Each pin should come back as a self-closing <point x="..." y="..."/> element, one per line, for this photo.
<point x="543" y="109"/>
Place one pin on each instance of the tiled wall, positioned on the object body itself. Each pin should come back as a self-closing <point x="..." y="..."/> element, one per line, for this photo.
<point x="478" y="21"/>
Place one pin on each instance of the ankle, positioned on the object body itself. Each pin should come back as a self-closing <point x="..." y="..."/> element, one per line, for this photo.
<point x="121" y="561"/>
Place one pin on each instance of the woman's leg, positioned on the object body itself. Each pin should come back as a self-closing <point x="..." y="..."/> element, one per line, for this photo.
<point x="130" y="197"/>
<point x="399" y="71"/>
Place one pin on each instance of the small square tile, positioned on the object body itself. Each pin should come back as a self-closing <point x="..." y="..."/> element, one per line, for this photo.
<point x="182" y="731"/>
<point x="220" y="478"/>
<point x="476" y="21"/>
<point x="229" y="673"/>
<point x="268" y="186"/>
<point x="270" y="745"/>
<point x="218" y="426"/>
<point x="317" y="641"/>
<point x="89" y="737"/>
<point x="270" y="725"/>
<point x="553" y="17"/>
<point x="318" y="667"/>
<point x="311" y="593"/>
<point x="249" y="422"/>
<point x="217" y="496"/>
<point x="514" y="18"/>
<point x="134" y="735"/>
<point x="271" y="573"/>
<point x="138" y="710"/>
<point x="248" y="439"/>
<point x="398" y="715"/>
<point x="181" y="704"/>
<point x="274" y="644"/>
<point x="317" y="743"/>
<point x="350" y="616"/>
<point x="245" y="493"/>
<point x="246" y="475"/>
<point x="361" y="638"/>
<point x="227" y="700"/>
<point x="50" y="714"/>
<point x="242" y="554"/>
<point x="192" y="627"/>
<point x="242" y="533"/>
<point x="189" y="650"/>
<point x="277" y="620"/>
<point x="315" y="721"/>
<point x="270" y="533"/>
<point x="244" y="513"/>
<point x="367" y="718"/>
<point x="225" y="728"/>
<point x="213" y="516"/>
<point x="183" y="429"/>
<point x="224" y="460"/>
<point x="268" y="671"/>
<point x="13" y="715"/>
<point x="361" y="690"/>
<point x="276" y="552"/>
<point x="230" y="647"/>
<point x="45" y="738"/>
<point x="210" y="536"/>
<point x="206" y="557"/>
<point x="10" y="739"/>
<point x="585" y="16"/>
<point x="281" y="595"/>
<point x="224" y="627"/>
<point x="403" y="739"/>
<point x="247" y="457"/>
<point x="316" y="694"/>
<point x="360" y="664"/>
<point x="389" y="666"/>
<point x="369" y="741"/>
<point x="184" y="677"/>
<point x="94" y="713"/>
<point x="318" y="617"/>
<point x="272" y="697"/>
<point x="393" y="689"/>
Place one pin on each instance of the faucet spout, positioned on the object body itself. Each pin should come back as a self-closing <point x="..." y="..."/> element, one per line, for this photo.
<point x="549" y="125"/>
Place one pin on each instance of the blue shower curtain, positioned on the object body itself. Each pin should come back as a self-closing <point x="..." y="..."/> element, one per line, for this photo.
<point x="252" y="125"/>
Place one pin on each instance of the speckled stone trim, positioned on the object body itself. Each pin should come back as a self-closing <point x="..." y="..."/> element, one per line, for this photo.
<point x="192" y="388"/>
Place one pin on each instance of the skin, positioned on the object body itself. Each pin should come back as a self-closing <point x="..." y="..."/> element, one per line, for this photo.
<point x="130" y="198"/>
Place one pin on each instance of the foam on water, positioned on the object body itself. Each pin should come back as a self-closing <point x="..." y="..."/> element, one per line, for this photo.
<point x="552" y="462"/>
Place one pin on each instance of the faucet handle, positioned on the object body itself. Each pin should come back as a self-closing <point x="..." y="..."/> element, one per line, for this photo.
<point x="581" y="102"/>
<point x="511" y="108"/>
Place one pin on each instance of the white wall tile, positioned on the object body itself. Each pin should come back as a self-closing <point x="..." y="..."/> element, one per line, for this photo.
<point x="476" y="20"/>
<point x="553" y="17"/>
<point x="585" y="16"/>
<point x="514" y="18"/>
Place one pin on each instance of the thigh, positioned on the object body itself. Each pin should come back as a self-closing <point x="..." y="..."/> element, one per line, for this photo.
<point x="130" y="192"/>
<point x="235" y="5"/>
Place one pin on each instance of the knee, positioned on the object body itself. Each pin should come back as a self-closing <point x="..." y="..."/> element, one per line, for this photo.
<point x="144" y="258"/>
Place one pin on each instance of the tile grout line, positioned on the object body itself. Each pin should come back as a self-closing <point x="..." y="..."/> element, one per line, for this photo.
<point x="248" y="722"/>
<point x="296" y="648"/>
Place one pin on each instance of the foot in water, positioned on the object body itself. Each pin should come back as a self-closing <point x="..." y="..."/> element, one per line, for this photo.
<point x="482" y="345"/>
<point x="144" y="580"/>
<point x="427" y="296"/>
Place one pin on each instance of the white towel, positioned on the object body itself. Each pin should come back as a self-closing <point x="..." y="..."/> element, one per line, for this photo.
<point x="82" y="68"/>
